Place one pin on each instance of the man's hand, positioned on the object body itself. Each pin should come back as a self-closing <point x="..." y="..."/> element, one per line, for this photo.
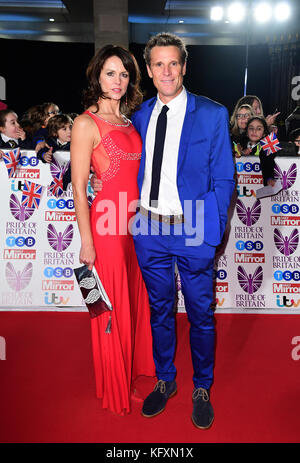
<point x="96" y="183"/>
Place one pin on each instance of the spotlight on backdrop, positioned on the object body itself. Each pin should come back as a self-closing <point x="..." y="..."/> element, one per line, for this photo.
<point x="282" y="11"/>
<point x="236" y="12"/>
<point x="216" y="13"/>
<point x="263" y="12"/>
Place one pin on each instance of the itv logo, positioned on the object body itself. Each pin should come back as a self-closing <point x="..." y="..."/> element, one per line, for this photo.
<point x="284" y="301"/>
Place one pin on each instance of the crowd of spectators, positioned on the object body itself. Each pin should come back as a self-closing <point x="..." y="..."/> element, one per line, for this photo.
<point x="42" y="128"/>
<point x="45" y="129"/>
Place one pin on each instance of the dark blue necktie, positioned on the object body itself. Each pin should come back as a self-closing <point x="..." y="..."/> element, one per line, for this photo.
<point x="160" y="136"/>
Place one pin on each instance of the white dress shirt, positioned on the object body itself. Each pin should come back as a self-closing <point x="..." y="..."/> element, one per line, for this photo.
<point x="168" y="198"/>
<point x="6" y="139"/>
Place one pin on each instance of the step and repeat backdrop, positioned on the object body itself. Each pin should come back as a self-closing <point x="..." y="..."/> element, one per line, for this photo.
<point x="257" y="267"/>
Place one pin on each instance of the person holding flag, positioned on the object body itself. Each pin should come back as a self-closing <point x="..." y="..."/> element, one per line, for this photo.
<point x="259" y="142"/>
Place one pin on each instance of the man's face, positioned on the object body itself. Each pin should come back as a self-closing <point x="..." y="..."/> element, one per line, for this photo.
<point x="166" y="71"/>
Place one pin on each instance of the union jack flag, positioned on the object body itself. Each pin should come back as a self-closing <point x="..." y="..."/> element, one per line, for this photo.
<point x="56" y="186"/>
<point x="57" y="171"/>
<point x="270" y="144"/>
<point x="11" y="159"/>
<point x="32" y="193"/>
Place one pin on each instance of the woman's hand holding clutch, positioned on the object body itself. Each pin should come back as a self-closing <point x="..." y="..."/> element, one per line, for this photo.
<point x="87" y="255"/>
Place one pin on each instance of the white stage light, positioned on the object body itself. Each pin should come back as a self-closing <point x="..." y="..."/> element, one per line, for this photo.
<point x="216" y="13"/>
<point x="263" y="12"/>
<point x="236" y="12"/>
<point x="282" y="11"/>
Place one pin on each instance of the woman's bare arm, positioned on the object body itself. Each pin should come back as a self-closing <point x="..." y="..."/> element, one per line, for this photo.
<point x="83" y="139"/>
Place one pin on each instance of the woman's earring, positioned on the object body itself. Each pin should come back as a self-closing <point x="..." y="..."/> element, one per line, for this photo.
<point x="126" y="99"/>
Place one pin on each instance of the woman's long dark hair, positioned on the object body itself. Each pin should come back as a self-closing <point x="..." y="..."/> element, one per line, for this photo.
<point x="132" y="98"/>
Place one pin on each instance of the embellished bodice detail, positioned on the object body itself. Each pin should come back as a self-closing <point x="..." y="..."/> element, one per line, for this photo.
<point x="116" y="154"/>
<point x="119" y="142"/>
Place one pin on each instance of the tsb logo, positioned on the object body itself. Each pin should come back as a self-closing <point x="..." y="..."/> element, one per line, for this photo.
<point x="25" y="161"/>
<point x="20" y="241"/>
<point x="248" y="167"/>
<point x="287" y="275"/>
<point x="285" y="208"/>
<point x="58" y="272"/>
<point x="249" y="245"/>
<point x="60" y="203"/>
<point x="220" y="274"/>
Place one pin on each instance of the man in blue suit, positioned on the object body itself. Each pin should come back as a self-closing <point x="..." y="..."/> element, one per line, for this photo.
<point x="186" y="183"/>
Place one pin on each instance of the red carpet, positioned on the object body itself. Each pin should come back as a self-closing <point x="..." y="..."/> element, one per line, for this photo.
<point x="47" y="391"/>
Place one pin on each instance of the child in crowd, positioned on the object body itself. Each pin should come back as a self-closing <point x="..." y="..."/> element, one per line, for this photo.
<point x="40" y="116"/>
<point x="294" y="137"/>
<point x="256" y="130"/>
<point x="59" y="129"/>
<point x="11" y="133"/>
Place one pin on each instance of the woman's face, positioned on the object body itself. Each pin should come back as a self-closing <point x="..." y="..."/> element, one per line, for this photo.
<point x="256" y="107"/>
<point x="11" y="127"/>
<point x="243" y="115"/>
<point x="255" y="131"/>
<point x="114" y="78"/>
<point x="53" y="110"/>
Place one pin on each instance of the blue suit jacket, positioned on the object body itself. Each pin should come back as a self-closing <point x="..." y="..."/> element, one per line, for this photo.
<point x="205" y="167"/>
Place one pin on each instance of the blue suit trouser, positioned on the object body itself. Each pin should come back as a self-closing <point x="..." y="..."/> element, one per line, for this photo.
<point x="157" y="253"/>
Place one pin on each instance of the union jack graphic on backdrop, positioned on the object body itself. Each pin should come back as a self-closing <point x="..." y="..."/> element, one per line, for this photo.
<point x="17" y="279"/>
<point x="250" y="283"/>
<point x="288" y="177"/>
<point x="270" y="144"/>
<point x="32" y="193"/>
<point x="57" y="172"/>
<point x="248" y="215"/>
<point x="56" y="186"/>
<point x="59" y="241"/>
<point x="19" y="211"/>
<point x="11" y="159"/>
<point x="286" y="244"/>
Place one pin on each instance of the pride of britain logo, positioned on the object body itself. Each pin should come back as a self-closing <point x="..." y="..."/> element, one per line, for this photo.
<point x="17" y="279"/>
<point x="30" y="201"/>
<point x="287" y="177"/>
<point x="250" y="283"/>
<point x="287" y="244"/>
<point x="248" y="215"/>
<point x="60" y="241"/>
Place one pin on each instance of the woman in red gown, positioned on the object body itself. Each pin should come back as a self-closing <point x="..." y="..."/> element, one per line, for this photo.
<point x="104" y="138"/>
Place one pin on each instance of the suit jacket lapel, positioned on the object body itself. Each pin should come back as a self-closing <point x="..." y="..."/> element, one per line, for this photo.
<point x="146" y="118"/>
<point x="186" y="129"/>
<point x="143" y="133"/>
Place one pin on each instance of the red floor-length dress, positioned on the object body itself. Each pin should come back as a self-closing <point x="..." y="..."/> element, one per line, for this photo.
<point x="126" y="352"/>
